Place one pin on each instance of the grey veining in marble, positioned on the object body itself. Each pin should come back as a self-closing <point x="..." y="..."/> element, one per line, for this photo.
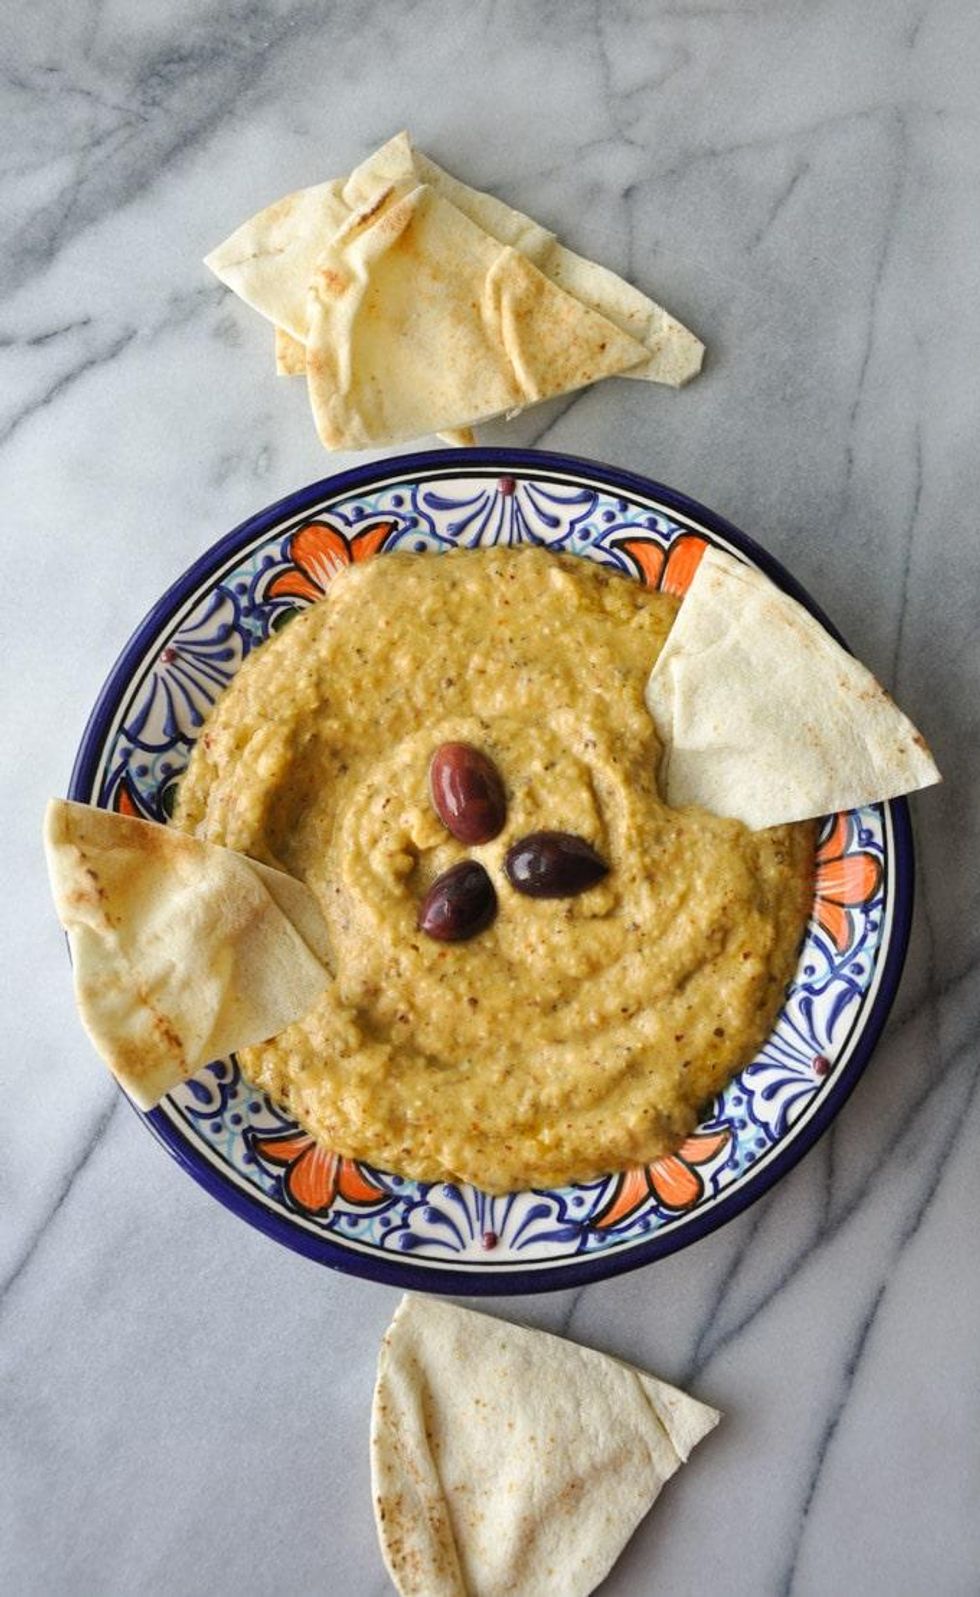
<point x="183" y="1405"/>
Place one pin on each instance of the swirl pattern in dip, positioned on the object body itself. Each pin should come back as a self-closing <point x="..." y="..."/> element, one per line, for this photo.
<point x="572" y="1037"/>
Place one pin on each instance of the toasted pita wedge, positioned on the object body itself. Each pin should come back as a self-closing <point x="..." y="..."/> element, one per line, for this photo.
<point x="182" y="951"/>
<point x="418" y="321"/>
<point x="674" y="355"/>
<point x="505" y="1460"/>
<point x="763" y="717"/>
<point x="269" y="260"/>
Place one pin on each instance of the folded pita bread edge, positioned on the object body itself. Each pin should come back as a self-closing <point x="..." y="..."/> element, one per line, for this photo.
<point x="268" y="259"/>
<point x="509" y="1459"/>
<point x="290" y="354"/>
<point x="764" y="716"/>
<point x="182" y="951"/>
<point x="674" y="354"/>
<point x="419" y="322"/>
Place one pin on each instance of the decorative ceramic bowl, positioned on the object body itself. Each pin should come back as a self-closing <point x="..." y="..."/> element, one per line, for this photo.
<point x="238" y="1144"/>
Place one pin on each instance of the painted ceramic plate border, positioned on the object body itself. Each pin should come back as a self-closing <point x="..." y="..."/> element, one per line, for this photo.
<point x="441" y="1237"/>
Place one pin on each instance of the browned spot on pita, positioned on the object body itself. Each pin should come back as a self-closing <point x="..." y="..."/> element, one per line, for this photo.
<point x="330" y="282"/>
<point x="367" y="212"/>
<point x="133" y="1061"/>
<point x="91" y="894"/>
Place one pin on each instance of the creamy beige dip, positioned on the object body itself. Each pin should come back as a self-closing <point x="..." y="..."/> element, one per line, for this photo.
<point x="573" y="1036"/>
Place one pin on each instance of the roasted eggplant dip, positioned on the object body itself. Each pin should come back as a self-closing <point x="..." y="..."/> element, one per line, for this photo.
<point x="539" y="972"/>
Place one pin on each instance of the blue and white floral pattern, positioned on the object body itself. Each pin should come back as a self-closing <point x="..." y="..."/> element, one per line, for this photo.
<point x="474" y="511"/>
<point x="192" y="668"/>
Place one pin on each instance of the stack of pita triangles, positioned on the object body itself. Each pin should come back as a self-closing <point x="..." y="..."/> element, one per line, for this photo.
<point x="416" y="304"/>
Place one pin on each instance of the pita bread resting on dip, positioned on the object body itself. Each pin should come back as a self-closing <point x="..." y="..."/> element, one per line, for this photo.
<point x="505" y="1460"/>
<point x="182" y="951"/>
<point x="764" y="717"/>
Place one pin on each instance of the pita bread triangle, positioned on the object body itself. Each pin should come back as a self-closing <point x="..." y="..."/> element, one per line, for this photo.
<point x="398" y="162"/>
<point x="419" y="321"/>
<point x="507" y="1460"/>
<point x="182" y="951"/>
<point x="674" y="355"/>
<point x="764" y="717"/>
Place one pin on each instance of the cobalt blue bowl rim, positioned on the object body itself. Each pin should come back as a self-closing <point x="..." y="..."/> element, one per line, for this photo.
<point x="399" y="1272"/>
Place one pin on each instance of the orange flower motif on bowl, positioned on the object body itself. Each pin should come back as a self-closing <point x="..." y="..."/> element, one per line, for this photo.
<point x="671" y="570"/>
<point x="314" y="1176"/>
<point x="319" y="550"/>
<point x="846" y="879"/>
<point x="674" y="1181"/>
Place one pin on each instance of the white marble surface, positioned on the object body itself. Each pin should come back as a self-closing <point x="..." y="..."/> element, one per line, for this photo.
<point x="184" y="1405"/>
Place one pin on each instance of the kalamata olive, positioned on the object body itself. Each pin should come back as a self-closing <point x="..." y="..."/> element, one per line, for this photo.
<point x="553" y="865"/>
<point x="467" y="792"/>
<point x="460" y="903"/>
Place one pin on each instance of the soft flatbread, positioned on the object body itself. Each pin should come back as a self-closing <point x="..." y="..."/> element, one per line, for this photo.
<point x="182" y="951"/>
<point x="506" y="1460"/>
<point x="269" y="260"/>
<point x="674" y="355"/>
<point x="399" y="163"/>
<point x="419" y="321"/>
<point x="291" y="362"/>
<point x="763" y="717"/>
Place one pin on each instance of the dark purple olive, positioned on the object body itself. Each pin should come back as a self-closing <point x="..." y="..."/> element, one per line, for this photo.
<point x="467" y="792"/>
<point x="460" y="903"/>
<point x="553" y="865"/>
